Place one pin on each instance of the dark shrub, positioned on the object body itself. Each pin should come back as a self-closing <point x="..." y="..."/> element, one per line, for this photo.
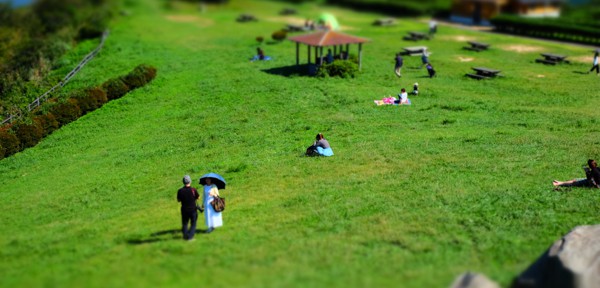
<point x="260" y="39"/>
<point x="141" y="75"/>
<point x="29" y="134"/>
<point x="9" y="142"/>
<point x="66" y="112"/>
<point x="89" y="31"/>
<point x="149" y="72"/>
<point x="47" y="122"/>
<point x="115" y="88"/>
<point x="98" y="95"/>
<point x="341" y="68"/>
<point x="279" y="35"/>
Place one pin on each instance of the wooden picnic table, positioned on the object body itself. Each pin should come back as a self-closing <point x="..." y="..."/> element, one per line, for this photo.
<point x="415" y="50"/>
<point x="385" y="22"/>
<point x="477" y="46"/>
<point x="484" y="73"/>
<point x="552" y="59"/>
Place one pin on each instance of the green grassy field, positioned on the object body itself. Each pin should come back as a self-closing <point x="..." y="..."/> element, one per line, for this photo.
<point x="414" y="196"/>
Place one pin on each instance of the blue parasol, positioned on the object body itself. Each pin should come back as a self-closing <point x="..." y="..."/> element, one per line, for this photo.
<point x="216" y="179"/>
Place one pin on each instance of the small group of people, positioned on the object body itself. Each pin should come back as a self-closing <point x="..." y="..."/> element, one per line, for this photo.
<point x="592" y="177"/>
<point x="188" y="196"/>
<point x="320" y="147"/>
<point x="402" y="97"/>
<point x="424" y="62"/>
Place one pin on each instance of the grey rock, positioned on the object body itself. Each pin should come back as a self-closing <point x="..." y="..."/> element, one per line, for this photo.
<point x="571" y="262"/>
<point x="473" y="280"/>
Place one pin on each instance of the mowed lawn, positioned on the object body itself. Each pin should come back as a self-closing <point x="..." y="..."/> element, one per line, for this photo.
<point x="415" y="195"/>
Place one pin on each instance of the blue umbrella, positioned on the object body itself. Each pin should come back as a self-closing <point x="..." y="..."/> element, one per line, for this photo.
<point x="216" y="179"/>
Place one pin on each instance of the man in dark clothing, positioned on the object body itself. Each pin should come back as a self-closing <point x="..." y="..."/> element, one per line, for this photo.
<point x="592" y="178"/>
<point x="187" y="195"/>
<point x="399" y="63"/>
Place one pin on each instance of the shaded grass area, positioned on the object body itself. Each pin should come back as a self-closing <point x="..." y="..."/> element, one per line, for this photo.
<point x="414" y="196"/>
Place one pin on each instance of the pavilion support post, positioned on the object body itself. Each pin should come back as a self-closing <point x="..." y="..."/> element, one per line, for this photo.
<point x="347" y="48"/>
<point x="334" y="50"/>
<point x="321" y="55"/>
<point x="359" y="56"/>
<point x="309" y="61"/>
<point x="316" y="55"/>
<point x="297" y="53"/>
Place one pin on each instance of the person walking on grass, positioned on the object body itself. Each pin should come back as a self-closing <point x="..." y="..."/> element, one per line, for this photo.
<point x="213" y="218"/>
<point x="424" y="58"/>
<point x="592" y="178"/>
<point x="595" y="65"/>
<point x="399" y="63"/>
<point x="187" y="195"/>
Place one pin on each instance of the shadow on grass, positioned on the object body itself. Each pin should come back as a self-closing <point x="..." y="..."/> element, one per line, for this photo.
<point x="164" y="235"/>
<point x="579" y="72"/>
<point x="293" y="70"/>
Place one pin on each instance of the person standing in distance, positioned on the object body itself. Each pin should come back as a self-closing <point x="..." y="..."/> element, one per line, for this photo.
<point x="399" y="63"/>
<point x="187" y="195"/>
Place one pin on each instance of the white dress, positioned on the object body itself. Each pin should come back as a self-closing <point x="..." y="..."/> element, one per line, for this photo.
<point x="213" y="218"/>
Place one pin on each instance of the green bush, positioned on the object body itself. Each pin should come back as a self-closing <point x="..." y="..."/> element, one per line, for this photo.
<point x="115" y="88"/>
<point x="66" y="112"/>
<point x="9" y="142"/>
<point x="341" y="68"/>
<point x="47" y="122"/>
<point x="28" y="134"/>
<point x="279" y="35"/>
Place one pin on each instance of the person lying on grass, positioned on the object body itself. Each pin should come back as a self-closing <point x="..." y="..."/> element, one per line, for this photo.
<point x="592" y="178"/>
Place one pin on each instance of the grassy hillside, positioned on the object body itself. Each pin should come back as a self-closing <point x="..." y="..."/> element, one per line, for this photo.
<point x="415" y="195"/>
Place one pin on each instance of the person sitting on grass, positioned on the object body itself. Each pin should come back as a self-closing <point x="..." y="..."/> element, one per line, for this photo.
<point x="260" y="55"/>
<point x="320" y="147"/>
<point x="592" y="178"/>
<point x="403" y="98"/>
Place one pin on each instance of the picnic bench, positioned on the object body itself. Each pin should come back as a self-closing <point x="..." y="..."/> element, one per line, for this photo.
<point x="552" y="59"/>
<point x="476" y="46"/>
<point x="416" y="36"/>
<point x="295" y="28"/>
<point x="385" y="22"/>
<point x="246" y="18"/>
<point x="416" y="50"/>
<point x="288" y="11"/>
<point x="483" y="73"/>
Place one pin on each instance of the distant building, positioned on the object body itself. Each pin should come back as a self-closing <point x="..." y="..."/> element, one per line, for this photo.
<point x="479" y="12"/>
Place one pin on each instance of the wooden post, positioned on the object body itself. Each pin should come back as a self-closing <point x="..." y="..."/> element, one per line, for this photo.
<point x="334" y="50"/>
<point x="297" y="53"/>
<point x="308" y="54"/>
<point x="316" y="55"/>
<point x="348" y="49"/>
<point x="321" y="55"/>
<point x="359" y="56"/>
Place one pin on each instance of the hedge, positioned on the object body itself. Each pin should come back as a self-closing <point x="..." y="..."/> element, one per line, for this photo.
<point x="15" y="138"/>
<point x="543" y="28"/>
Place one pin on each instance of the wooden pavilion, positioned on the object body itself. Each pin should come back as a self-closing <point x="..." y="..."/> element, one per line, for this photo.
<point x="327" y="38"/>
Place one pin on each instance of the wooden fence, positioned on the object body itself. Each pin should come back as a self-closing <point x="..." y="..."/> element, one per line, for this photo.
<point x="40" y="100"/>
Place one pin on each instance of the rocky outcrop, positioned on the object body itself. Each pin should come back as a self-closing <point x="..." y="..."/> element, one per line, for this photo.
<point x="473" y="280"/>
<point x="573" y="261"/>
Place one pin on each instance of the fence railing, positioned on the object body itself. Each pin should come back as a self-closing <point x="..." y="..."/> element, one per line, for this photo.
<point x="40" y="100"/>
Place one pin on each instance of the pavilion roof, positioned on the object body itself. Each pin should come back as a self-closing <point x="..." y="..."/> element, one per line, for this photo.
<point x="327" y="38"/>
